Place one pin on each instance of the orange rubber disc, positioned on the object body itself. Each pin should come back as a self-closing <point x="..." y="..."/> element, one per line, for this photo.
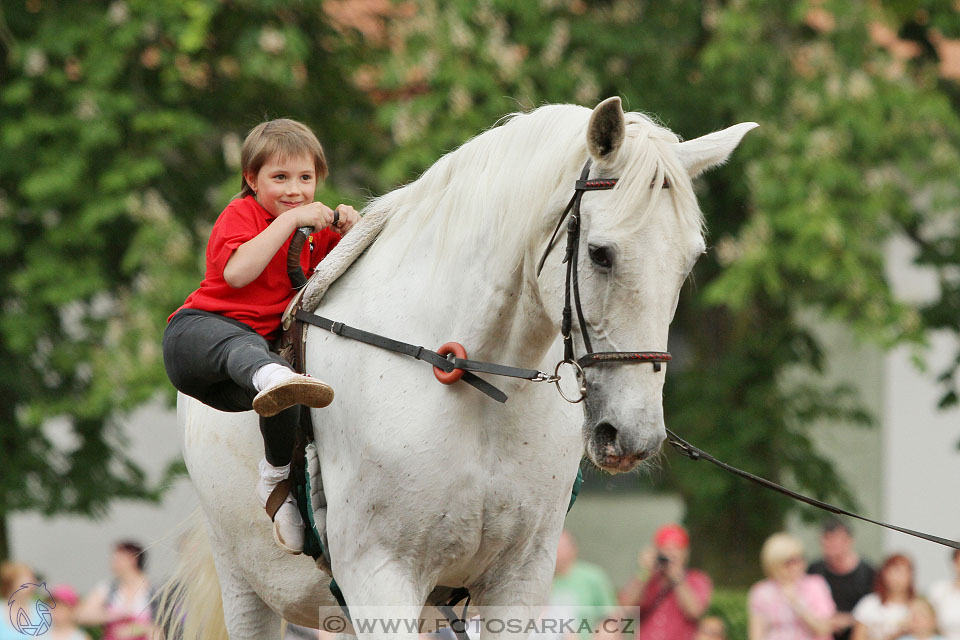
<point x="457" y="350"/>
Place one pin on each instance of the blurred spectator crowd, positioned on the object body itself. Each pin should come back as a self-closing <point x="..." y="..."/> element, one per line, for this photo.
<point x="839" y="595"/>
<point x="120" y="608"/>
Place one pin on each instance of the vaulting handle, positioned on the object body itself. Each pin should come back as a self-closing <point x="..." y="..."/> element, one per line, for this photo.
<point x="295" y="272"/>
<point x="298" y="279"/>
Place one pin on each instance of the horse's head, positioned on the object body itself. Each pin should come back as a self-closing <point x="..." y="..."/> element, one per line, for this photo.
<point x="638" y="243"/>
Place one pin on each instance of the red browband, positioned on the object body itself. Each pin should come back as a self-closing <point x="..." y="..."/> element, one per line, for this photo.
<point x="656" y="357"/>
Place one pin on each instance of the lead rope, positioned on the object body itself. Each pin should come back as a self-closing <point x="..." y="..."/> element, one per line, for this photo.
<point x="692" y="452"/>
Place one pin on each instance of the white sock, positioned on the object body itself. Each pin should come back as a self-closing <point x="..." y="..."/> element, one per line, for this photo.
<point x="271" y="374"/>
<point x="272" y="475"/>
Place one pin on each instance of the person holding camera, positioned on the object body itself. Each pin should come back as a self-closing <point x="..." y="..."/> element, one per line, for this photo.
<point x="667" y="598"/>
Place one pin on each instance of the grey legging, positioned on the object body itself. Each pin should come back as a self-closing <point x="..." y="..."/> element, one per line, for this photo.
<point x="213" y="358"/>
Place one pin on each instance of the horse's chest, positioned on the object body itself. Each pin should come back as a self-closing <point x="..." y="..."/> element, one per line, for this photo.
<point x="497" y="524"/>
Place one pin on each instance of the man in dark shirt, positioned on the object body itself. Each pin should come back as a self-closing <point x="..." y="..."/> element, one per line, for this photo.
<point x="849" y="577"/>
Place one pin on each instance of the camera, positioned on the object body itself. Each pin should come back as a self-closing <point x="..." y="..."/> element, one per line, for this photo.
<point x="662" y="561"/>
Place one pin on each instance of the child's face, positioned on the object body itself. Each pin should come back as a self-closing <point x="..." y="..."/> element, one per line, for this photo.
<point x="898" y="577"/>
<point x="284" y="183"/>
<point x="62" y="615"/>
<point x="711" y="628"/>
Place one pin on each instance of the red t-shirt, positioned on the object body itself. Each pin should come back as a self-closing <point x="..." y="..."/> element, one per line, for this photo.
<point x="261" y="303"/>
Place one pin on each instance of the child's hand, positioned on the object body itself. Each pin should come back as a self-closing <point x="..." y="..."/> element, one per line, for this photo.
<point x="348" y="218"/>
<point x="315" y="214"/>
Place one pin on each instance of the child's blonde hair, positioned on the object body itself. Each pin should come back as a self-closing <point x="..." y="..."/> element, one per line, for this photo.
<point x="281" y="138"/>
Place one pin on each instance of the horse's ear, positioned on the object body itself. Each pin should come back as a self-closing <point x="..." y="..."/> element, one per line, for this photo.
<point x="706" y="152"/>
<point x="605" y="131"/>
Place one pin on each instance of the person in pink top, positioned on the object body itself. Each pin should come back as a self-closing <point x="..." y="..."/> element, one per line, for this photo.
<point x="790" y="604"/>
<point x="124" y="606"/>
<point x="666" y="598"/>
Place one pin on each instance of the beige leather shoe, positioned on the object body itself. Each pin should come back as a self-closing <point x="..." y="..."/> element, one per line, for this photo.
<point x="298" y="389"/>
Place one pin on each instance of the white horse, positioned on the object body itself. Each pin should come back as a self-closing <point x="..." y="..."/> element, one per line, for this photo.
<point x="439" y="485"/>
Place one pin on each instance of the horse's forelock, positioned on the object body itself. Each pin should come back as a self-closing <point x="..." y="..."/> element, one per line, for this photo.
<point x="647" y="162"/>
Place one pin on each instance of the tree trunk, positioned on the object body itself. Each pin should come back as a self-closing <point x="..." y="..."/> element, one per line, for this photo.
<point x="4" y="542"/>
<point x="728" y="549"/>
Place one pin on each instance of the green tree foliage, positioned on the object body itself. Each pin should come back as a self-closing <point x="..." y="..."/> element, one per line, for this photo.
<point x="119" y="131"/>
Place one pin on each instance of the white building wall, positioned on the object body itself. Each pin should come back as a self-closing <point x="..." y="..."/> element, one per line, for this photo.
<point x="921" y="482"/>
<point x="921" y="460"/>
<point x="76" y="550"/>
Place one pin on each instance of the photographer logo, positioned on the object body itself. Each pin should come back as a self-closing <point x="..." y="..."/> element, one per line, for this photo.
<point x="30" y="607"/>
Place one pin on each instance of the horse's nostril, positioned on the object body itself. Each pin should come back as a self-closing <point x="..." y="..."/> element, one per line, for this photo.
<point x="605" y="434"/>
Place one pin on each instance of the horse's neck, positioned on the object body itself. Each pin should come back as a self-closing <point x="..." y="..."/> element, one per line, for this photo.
<point x="511" y="322"/>
<point x="479" y="298"/>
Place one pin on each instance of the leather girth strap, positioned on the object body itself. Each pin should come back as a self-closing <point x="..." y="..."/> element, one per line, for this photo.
<point x="427" y="355"/>
<point x="277" y="496"/>
<point x="290" y="347"/>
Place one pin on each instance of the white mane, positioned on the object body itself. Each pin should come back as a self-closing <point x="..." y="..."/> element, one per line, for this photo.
<point x="502" y="185"/>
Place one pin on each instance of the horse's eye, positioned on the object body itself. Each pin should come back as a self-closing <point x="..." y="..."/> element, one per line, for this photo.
<point x="601" y="256"/>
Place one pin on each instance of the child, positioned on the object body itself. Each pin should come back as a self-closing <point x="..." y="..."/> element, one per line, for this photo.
<point x="923" y="621"/>
<point x="711" y="628"/>
<point x="215" y="347"/>
<point x="64" y="625"/>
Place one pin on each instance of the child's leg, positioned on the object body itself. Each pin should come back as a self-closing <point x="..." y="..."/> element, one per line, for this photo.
<point x="279" y="435"/>
<point x="214" y="360"/>
<point x="230" y="367"/>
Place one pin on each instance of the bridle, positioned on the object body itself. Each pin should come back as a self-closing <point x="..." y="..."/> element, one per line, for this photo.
<point x="572" y="292"/>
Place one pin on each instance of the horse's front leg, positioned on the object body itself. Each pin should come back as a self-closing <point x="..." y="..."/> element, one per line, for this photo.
<point x="511" y="602"/>
<point x="245" y="614"/>
<point x="383" y="596"/>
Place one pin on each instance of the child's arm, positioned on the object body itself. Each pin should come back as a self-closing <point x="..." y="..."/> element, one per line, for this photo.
<point x="249" y="259"/>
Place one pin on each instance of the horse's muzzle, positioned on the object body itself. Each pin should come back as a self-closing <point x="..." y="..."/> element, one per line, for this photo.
<point x="617" y="451"/>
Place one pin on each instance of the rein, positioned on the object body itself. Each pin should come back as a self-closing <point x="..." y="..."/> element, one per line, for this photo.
<point x="438" y="360"/>
<point x="692" y="452"/>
